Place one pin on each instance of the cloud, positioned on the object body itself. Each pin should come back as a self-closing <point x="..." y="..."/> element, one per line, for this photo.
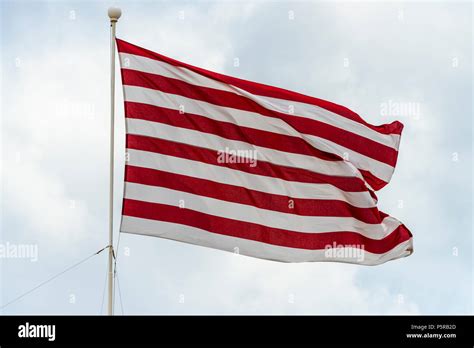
<point x="193" y="280"/>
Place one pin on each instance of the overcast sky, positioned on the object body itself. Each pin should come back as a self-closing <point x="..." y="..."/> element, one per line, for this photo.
<point x="374" y="58"/>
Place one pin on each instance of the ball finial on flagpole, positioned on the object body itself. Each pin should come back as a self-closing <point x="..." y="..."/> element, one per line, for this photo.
<point x="114" y="13"/>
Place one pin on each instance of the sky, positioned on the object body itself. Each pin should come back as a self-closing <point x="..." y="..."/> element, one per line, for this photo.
<point x="384" y="60"/>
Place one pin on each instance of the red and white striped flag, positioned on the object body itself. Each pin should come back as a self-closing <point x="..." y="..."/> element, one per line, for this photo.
<point x="235" y="165"/>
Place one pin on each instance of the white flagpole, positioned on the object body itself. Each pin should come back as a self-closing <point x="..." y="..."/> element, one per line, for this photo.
<point x="114" y="15"/>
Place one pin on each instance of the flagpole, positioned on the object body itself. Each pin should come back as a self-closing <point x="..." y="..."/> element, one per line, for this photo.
<point x="114" y="15"/>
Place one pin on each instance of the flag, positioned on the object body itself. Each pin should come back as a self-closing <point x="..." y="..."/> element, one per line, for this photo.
<point x="240" y="166"/>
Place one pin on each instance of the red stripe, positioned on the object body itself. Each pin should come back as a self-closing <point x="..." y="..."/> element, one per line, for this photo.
<point x="261" y="89"/>
<point x="260" y="233"/>
<point x="360" y="144"/>
<point x="374" y="182"/>
<point x="194" y="153"/>
<point x="241" y="195"/>
<point x="226" y="130"/>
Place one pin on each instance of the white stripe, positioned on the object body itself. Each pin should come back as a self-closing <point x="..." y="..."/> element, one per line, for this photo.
<point x="220" y="144"/>
<point x="255" y="121"/>
<point x="247" y="213"/>
<point x="139" y="63"/>
<point x="192" y="235"/>
<point x="261" y="183"/>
